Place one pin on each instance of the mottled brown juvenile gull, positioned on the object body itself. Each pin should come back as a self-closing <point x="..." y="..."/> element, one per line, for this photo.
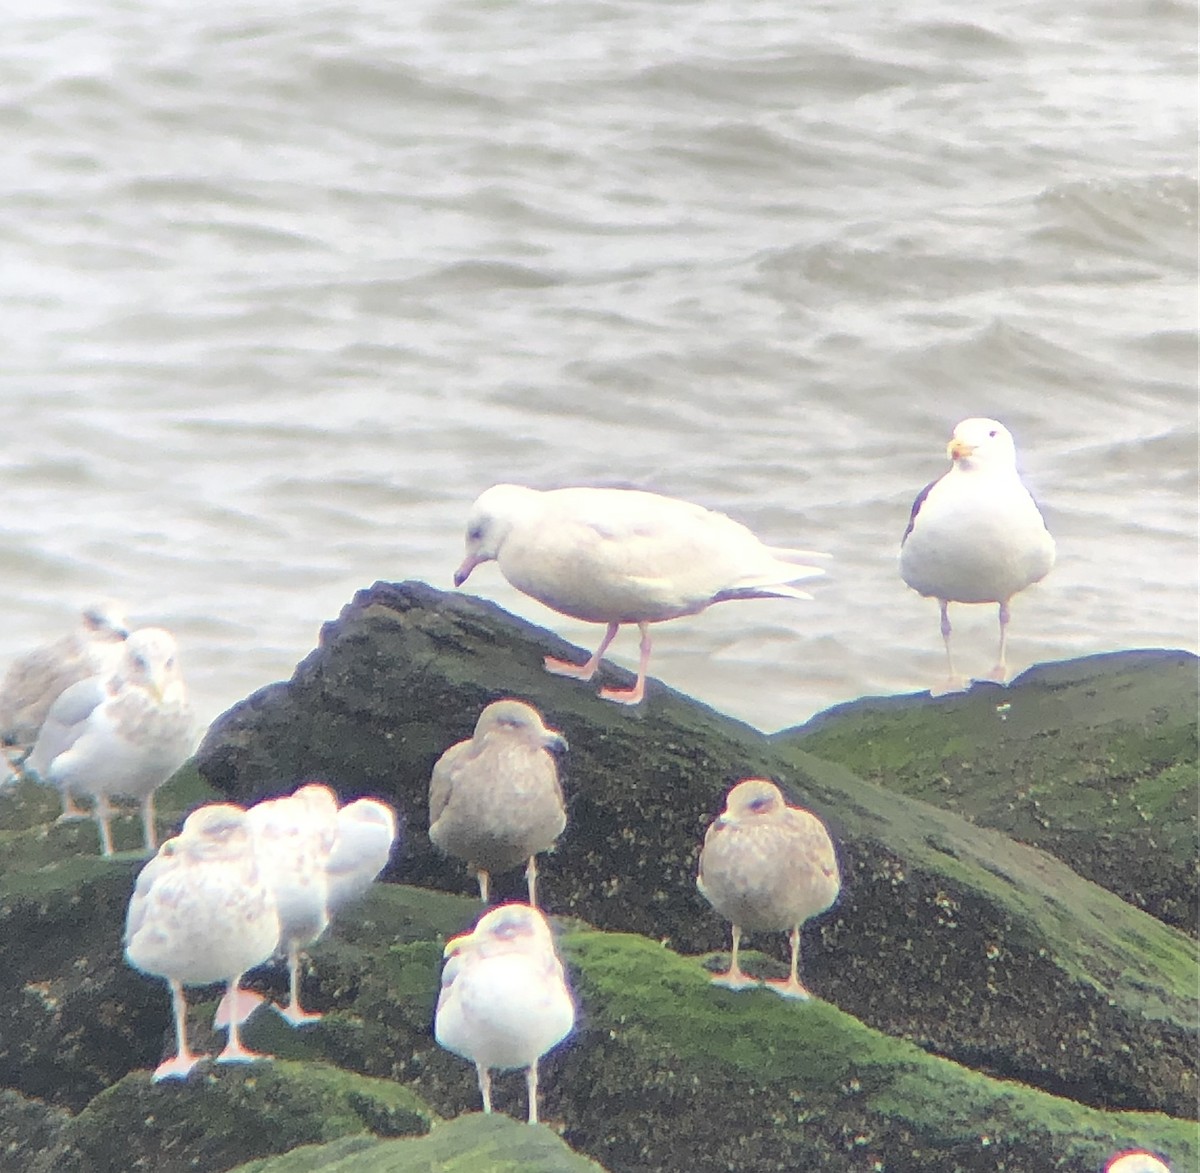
<point x="617" y="556"/>
<point x="975" y="535"/>
<point x="201" y="912"/>
<point x="124" y="735"/>
<point x="767" y="866"/>
<point x="35" y="680"/>
<point x="495" y="800"/>
<point x="504" y="1000"/>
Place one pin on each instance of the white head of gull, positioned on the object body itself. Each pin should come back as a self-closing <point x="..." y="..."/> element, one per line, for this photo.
<point x="617" y="556"/>
<point x="975" y="535"/>
<point x="201" y="912"/>
<point x="504" y="1000"/>
<point x="1138" y="1161"/>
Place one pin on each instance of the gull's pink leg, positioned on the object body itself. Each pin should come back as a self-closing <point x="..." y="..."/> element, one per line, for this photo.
<point x="531" y="875"/>
<point x="583" y="671"/>
<point x="531" y="1087"/>
<point x="234" y="1052"/>
<point x="236" y="1003"/>
<point x="293" y="1011"/>
<point x="102" y="814"/>
<point x="631" y="696"/>
<point x="149" y="836"/>
<point x="1000" y="671"/>
<point x="178" y="1066"/>
<point x="793" y="987"/>
<point x="733" y="978"/>
<point x="485" y="1086"/>
<point x="953" y="683"/>
<point x="71" y="809"/>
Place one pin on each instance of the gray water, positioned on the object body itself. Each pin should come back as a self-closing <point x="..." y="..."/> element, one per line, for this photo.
<point x="284" y="287"/>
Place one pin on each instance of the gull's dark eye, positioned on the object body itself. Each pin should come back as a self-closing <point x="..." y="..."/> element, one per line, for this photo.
<point x="760" y="804"/>
<point x="475" y="533"/>
<point x="992" y="434"/>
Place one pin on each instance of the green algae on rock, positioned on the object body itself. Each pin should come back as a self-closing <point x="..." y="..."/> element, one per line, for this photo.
<point x="1094" y="761"/>
<point x="219" y="1117"/>
<point x="471" y="1144"/>
<point x="955" y="936"/>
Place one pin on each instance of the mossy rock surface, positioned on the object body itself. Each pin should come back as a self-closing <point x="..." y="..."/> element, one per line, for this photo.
<point x="471" y="1144"/>
<point x="1094" y="761"/>
<point x="952" y="935"/>
<point x="28" y="1128"/>
<point x="221" y="1115"/>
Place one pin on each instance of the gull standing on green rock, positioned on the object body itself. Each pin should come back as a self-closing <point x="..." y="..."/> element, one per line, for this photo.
<point x="202" y="912"/>
<point x="124" y="735"/>
<point x="976" y="535"/>
<point x="35" y="680"/>
<point x="767" y="866"/>
<point x="617" y="556"/>
<point x="495" y="799"/>
<point x="504" y="1000"/>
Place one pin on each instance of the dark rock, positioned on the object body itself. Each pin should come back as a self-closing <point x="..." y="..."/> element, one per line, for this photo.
<point x="1094" y="761"/>
<point x="954" y="936"/>
<point x="475" y="1142"/>
<point x="218" y="1118"/>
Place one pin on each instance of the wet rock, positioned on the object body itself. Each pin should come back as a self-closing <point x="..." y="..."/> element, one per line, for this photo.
<point x="955" y="936"/>
<point x="476" y="1142"/>
<point x="1093" y="761"/>
<point x="219" y="1117"/>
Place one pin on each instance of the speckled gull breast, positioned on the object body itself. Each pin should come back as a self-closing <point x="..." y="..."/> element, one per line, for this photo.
<point x="494" y="799"/>
<point x="504" y="1000"/>
<point x="35" y="680"/>
<point x="1136" y="1162"/>
<point x="767" y="866"/>
<point x="617" y="556"/>
<point x="201" y="913"/>
<point x="975" y="535"/>
<point x="294" y="837"/>
<point x="125" y="735"/>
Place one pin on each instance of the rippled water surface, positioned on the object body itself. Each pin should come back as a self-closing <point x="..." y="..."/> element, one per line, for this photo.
<point x="285" y="287"/>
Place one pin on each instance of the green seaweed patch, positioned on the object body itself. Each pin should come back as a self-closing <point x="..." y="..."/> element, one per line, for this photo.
<point x="471" y="1144"/>
<point x="220" y="1116"/>
<point x="805" y="1061"/>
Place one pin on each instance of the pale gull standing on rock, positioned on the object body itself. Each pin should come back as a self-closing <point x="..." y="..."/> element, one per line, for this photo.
<point x="495" y="799"/>
<point x="293" y="837"/>
<point x="316" y="859"/>
<point x="975" y="535"/>
<point x="201" y="912"/>
<point x="617" y="556"/>
<point x="504" y="1000"/>
<point x="124" y="735"/>
<point x="767" y="866"/>
<point x="35" y="680"/>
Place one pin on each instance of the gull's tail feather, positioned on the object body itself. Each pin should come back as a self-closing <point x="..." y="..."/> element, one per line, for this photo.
<point x="777" y="591"/>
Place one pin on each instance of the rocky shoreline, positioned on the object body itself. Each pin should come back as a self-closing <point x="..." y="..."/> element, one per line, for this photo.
<point x="1008" y="982"/>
